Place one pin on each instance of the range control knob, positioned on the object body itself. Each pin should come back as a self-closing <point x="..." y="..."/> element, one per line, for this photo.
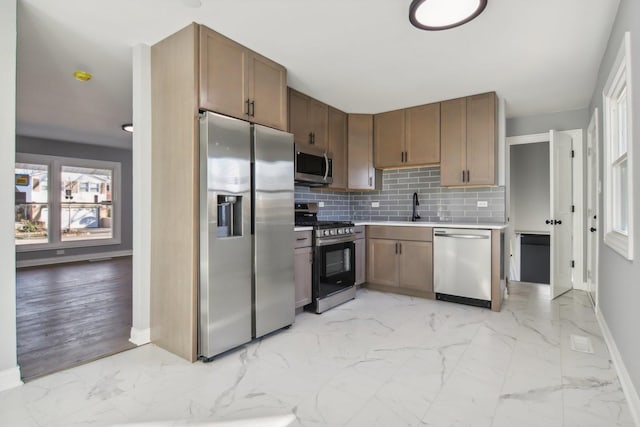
<point x="340" y="230"/>
<point x="351" y="230"/>
<point x="326" y="232"/>
<point x="333" y="232"/>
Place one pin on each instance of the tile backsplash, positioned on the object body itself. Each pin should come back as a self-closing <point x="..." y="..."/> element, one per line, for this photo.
<point x="437" y="204"/>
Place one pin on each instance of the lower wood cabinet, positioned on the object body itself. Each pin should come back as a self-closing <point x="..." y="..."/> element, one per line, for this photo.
<point x="400" y="259"/>
<point x="361" y="255"/>
<point x="302" y="267"/>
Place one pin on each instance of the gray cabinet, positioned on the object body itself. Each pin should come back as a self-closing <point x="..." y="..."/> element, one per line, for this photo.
<point x="302" y="267"/>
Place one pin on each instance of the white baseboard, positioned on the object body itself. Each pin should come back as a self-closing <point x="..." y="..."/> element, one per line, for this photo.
<point x="10" y="378"/>
<point x="630" y="392"/>
<point x="72" y="258"/>
<point x="140" y="336"/>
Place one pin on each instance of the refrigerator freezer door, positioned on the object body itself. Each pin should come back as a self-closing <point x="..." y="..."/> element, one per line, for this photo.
<point x="225" y="262"/>
<point x="274" y="297"/>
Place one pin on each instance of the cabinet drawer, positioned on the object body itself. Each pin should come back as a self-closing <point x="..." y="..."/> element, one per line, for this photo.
<point x="302" y="239"/>
<point x="420" y="234"/>
<point x="360" y="231"/>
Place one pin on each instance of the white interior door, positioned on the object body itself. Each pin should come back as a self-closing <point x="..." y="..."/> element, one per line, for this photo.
<point x="592" y="207"/>
<point x="561" y="184"/>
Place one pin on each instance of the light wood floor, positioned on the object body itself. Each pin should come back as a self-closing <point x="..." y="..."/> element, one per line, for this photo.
<point x="68" y="314"/>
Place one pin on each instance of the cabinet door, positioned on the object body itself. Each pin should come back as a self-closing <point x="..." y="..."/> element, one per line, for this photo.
<point x="415" y="265"/>
<point x="360" y="147"/>
<point x="268" y="92"/>
<point x="338" y="147"/>
<point x="302" y="275"/>
<point x="481" y="139"/>
<point x="422" y="145"/>
<point x="388" y="139"/>
<point x="453" y="141"/>
<point x="298" y="123"/>
<point x="361" y="261"/>
<point x="382" y="262"/>
<point x="223" y="75"/>
<point x="318" y="119"/>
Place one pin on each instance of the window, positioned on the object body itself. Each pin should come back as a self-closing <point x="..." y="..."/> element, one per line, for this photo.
<point x="83" y="212"/>
<point x="618" y="184"/>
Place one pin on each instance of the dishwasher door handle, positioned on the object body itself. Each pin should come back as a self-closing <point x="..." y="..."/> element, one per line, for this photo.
<point x="462" y="236"/>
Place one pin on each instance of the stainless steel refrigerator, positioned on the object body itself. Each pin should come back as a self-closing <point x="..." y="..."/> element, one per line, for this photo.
<point x="246" y="285"/>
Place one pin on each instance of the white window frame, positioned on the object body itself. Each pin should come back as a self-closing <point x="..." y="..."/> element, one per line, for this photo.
<point x="55" y="164"/>
<point x="619" y="79"/>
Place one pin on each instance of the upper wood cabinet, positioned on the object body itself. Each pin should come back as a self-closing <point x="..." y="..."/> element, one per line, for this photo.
<point x="409" y="137"/>
<point x="338" y="147"/>
<point x="308" y="120"/>
<point x="362" y="175"/>
<point x="238" y="82"/>
<point x="468" y="140"/>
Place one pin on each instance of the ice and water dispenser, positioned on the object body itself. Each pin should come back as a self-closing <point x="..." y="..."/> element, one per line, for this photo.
<point x="229" y="216"/>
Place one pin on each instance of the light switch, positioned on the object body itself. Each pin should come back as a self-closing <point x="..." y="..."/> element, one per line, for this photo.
<point x="375" y="204"/>
<point x="483" y="204"/>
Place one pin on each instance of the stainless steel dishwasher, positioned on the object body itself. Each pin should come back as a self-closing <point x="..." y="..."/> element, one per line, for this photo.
<point x="462" y="265"/>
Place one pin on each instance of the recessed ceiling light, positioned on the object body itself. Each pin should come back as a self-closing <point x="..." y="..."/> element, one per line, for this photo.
<point x="437" y="15"/>
<point x="82" y="76"/>
<point x="128" y="127"/>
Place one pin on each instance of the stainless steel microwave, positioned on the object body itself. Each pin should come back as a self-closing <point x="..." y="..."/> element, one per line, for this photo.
<point x="313" y="166"/>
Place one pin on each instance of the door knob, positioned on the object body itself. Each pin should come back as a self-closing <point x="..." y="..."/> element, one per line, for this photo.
<point x="592" y="229"/>
<point x="548" y="222"/>
<point x="556" y="221"/>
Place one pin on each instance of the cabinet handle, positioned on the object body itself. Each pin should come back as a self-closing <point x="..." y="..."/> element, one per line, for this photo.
<point x="463" y="175"/>
<point x="253" y="108"/>
<point x="400" y="246"/>
<point x="311" y="138"/>
<point x="300" y="239"/>
<point x="468" y="176"/>
<point x="370" y="182"/>
<point x="396" y="246"/>
<point x="247" y="102"/>
<point x="402" y="157"/>
<point x="406" y="156"/>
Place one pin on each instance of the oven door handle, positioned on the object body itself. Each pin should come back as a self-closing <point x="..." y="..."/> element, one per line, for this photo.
<point x="326" y="166"/>
<point x="334" y="240"/>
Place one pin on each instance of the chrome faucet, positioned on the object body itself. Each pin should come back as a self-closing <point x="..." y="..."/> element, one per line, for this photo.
<point x="416" y="202"/>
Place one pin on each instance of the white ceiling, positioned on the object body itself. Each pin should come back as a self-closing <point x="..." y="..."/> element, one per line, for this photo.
<point x="357" y="55"/>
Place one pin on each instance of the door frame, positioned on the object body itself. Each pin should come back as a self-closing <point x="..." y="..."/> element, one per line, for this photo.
<point x="592" y="141"/>
<point x="578" y="198"/>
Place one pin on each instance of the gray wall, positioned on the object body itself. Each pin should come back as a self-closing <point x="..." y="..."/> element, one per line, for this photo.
<point x="85" y="151"/>
<point x="619" y="282"/>
<point x="437" y="204"/>
<point x="565" y="120"/>
<point x="530" y="199"/>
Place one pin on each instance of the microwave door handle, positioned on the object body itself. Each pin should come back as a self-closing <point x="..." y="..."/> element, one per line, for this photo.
<point x="326" y="166"/>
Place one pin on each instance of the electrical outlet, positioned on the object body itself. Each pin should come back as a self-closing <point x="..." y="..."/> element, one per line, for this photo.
<point x="60" y="252"/>
<point x="483" y="204"/>
<point x="321" y="204"/>
<point x="375" y="204"/>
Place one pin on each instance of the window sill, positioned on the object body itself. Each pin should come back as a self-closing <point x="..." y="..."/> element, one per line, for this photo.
<point x="620" y="243"/>
<point x="68" y="245"/>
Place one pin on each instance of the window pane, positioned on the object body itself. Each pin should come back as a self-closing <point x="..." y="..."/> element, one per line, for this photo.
<point x="621" y="123"/>
<point x="86" y="210"/>
<point x="621" y="198"/>
<point x="32" y="208"/>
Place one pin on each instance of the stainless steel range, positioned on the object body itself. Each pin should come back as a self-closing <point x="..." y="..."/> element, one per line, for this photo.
<point x="333" y="258"/>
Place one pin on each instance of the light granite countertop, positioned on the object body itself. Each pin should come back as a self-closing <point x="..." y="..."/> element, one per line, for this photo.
<point x="433" y="224"/>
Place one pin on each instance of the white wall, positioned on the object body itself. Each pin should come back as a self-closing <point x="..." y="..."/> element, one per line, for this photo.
<point x="530" y="199"/>
<point x="9" y="371"/>
<point x="619" y="279"/>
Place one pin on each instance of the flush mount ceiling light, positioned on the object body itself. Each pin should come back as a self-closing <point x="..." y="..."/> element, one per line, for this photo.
<point x="82" y="76"/>
<point x="435" y="15"/>
<point x="128" y="127"/>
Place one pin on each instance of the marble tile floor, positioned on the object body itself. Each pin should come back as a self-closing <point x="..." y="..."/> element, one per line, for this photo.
<point x="380" y="360"/>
